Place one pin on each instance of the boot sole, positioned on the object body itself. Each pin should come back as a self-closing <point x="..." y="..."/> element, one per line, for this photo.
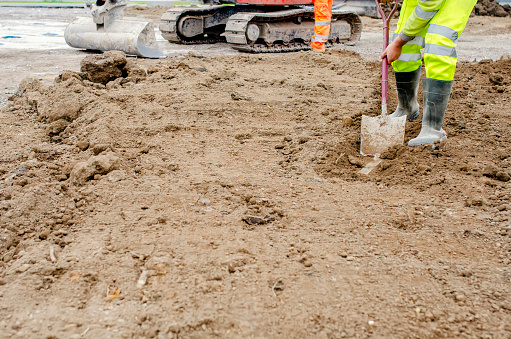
<point x="424" y="141"/>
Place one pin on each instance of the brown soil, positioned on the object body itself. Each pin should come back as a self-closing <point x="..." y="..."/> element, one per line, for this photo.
<point x="203" y="197"/>
<point x="148" y="13"/>
<point x="491" y="8"/>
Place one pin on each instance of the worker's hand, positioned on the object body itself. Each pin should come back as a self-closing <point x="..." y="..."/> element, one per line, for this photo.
<point x="393" y="51"/>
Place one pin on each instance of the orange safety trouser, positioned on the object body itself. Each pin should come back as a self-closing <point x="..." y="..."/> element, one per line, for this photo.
<point x="323" y="16"/>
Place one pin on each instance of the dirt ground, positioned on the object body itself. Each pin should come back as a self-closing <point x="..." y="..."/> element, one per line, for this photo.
<point x="204" y="196"/>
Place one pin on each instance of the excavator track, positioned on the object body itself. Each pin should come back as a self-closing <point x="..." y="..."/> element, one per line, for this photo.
<point x="169" y="25"/>
<point x="201" y="25"/>
<point x="287" y="31"/>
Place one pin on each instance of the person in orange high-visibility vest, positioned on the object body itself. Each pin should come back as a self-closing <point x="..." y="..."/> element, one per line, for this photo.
<point x="322" y="16"/>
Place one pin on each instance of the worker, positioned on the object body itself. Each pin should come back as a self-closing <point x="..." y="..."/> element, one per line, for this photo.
<point x="323" y="17"/>
<point x="435" y="26"/>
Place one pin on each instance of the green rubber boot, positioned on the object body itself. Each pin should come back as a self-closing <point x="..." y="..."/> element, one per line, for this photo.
<point x="436" y="96"/>
<point x="407" y="84"/>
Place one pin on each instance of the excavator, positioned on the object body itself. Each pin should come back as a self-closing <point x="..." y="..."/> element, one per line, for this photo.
<point x="257" y="26"/>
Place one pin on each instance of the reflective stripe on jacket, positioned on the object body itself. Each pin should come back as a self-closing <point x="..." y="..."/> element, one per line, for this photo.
<point x="420" y="17"/>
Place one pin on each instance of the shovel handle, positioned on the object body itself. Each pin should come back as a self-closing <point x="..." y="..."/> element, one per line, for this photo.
<point x="384" y="64"/>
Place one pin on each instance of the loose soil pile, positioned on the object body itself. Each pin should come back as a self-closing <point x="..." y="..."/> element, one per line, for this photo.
<point x="491" y="8"/>
<point x="220" y="197"/>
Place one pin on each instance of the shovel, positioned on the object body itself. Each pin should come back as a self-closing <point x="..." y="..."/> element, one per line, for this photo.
<point x="378" y="134"/>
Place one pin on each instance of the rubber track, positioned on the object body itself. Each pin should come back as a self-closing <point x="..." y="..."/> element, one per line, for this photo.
<point x="352" y="19"/>
<point x="172" y="35"/>
<point x="169" y="20"/>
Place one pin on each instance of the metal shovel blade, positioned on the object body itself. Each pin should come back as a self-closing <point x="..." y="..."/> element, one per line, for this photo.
<point x="130" y="36"/>
<point x="380" y="133"/>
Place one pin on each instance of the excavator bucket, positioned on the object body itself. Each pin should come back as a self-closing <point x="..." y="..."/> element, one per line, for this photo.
<point x="130" y="36"/>
<point x="108" y="30"/>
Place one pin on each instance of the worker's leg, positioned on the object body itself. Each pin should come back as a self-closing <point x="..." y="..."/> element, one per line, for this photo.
<point x="440" y="61"/>
<point x="407" y="85"/>
<point x="407" y="68"/>
<point x="322" y="16"/>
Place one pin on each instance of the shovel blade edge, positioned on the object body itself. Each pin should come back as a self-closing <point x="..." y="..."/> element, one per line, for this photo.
<point x="378" y="134"/>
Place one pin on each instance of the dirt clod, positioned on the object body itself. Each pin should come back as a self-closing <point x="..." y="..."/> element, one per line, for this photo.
<point x="105" y="67"/>
<point x="96" y="165"/>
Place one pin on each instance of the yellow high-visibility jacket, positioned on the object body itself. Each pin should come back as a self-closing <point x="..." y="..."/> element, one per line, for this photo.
<point x="419" y="18"/>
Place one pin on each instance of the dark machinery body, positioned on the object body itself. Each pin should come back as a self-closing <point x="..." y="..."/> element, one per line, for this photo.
<point x="257" y="27"/>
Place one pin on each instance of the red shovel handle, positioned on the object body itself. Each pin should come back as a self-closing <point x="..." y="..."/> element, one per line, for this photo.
<point x="384" y="64"/>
